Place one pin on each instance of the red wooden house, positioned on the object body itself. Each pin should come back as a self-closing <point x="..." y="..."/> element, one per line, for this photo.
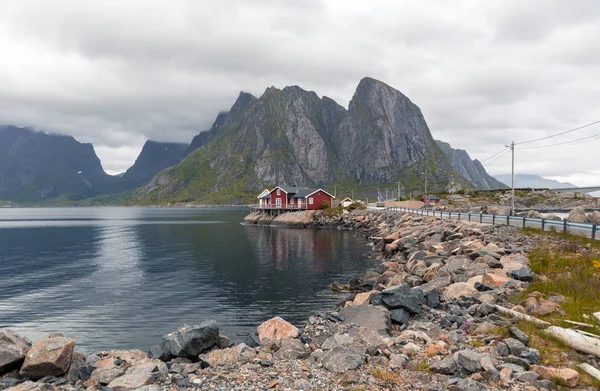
<point x="298" y="198"/>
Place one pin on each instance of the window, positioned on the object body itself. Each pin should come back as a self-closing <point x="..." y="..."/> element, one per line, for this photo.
<point x="310" y="200"/>
<point x="278" y="192"/>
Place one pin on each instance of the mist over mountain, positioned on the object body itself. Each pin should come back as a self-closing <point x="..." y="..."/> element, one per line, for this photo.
<point x="534" y="181"/>
<point x="286" y="136"/>
<point x="36" y="166"/>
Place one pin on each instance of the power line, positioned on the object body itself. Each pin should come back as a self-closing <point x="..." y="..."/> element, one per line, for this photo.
<point x="559" y="144"/>
<point x="500" y="155"/>
<point x="559" y="134"/>
<point x="494" y="155"/>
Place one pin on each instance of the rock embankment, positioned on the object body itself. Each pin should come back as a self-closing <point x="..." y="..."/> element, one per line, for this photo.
<point x="426" y="318"/>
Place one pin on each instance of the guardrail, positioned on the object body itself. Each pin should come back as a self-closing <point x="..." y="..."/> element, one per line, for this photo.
<point x="587" y="229"/>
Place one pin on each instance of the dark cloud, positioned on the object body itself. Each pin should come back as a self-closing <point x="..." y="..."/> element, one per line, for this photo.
<point x="484" y="73"/>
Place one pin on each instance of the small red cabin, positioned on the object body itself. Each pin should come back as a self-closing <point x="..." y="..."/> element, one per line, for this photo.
<point x="431" y="200"/>
<point x="298" y="198"/>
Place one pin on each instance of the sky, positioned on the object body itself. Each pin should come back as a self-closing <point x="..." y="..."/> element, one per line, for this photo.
<point x="484" y="73"/>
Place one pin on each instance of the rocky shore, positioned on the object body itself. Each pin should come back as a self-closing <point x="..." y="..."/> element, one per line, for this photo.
<point x="436" y="314"/>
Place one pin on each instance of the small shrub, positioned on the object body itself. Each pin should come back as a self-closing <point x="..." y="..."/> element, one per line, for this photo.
<point x="326" y="205"/>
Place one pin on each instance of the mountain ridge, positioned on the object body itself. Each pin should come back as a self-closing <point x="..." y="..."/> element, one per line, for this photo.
<point x="291" y="136"/>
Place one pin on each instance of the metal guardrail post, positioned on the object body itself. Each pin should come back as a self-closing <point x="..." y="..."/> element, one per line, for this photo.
<point x="524" y="220"/>
<point x="469" y="216"/>
<point x="543" y="224"/>
<point x="480" y="218"/>
<point x="594" y="227"/>
<point x="493" y="219"/>
<point x="458" y="216"/>
<point x="507" y="220"/>
<point x="565" y="225"/>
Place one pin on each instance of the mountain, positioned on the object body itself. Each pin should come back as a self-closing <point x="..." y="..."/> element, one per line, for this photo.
<point x="35" y="166"/>
<point x="533" y="181"/>
<point x="154" y="157"/>
<point x="472" y="170"/>
<point x="292" y="136"/>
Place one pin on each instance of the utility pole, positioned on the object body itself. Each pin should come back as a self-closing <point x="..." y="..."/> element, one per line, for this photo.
<point x="512" y="197"/>
<point x="398" y="198"/>
<point x="386" y="192"/>
<point x="425" y="173"/>
<point x="335" y="191"/>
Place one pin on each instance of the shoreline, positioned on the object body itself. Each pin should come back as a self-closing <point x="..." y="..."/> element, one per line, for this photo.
<point x="437" y="285"/>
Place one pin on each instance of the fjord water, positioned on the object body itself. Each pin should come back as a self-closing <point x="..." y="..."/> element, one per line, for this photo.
<point x="123" y="277"/>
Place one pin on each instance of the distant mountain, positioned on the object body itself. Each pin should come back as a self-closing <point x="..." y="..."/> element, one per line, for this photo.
<point x="534" y="181"/>
<point x="293" y="137"/>
<point x="472" y="170"/>
<point x="154" y="157"/>
<point x="36" y="166"/>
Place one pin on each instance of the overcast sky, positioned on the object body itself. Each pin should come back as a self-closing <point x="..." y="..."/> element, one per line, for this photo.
<point x="118" y="72"/>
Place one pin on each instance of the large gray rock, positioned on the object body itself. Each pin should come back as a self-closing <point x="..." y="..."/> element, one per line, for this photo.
<point x="13" y="349"/>
<point x="131" y="382"/>
<point x="291" y="349"/>
<point x="48" y="357"/>
<point x="446" y="366"/>
<point x="342" y="359"/>
<point x="187" y="342"/>
<point x="403" y="296"/>
<point x="470" y="360"/>
<point x="577" y="215"/>
<point x="367" y="316"/>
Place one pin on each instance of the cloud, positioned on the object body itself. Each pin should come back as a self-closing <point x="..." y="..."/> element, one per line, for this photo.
<point x="116" y="73"/>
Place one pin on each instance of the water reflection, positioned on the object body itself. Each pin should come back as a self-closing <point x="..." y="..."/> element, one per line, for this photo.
<point x="122" y="277"/>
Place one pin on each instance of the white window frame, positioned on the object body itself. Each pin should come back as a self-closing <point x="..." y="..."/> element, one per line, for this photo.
<point x="310" y="200"/>
<point x="278" y="192"/>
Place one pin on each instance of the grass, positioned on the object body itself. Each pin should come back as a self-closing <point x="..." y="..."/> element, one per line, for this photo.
<point x="386" y="375"/>
<point x="570" y="266"/>
<point x="567" y="265"/>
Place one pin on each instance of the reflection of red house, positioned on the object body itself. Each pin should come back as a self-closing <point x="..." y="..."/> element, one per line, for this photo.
<point x="298" y="198"/>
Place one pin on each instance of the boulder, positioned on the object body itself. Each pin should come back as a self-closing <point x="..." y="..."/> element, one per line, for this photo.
<point x="362" y="298"/>
<point x="469" y="360"/>
<point x="534" y="214"/>
<point x="188" y="341"/>
<point x="594" y="217"/>
<point x="13" y="349"/>
<point x="446" y="366"/>
<point x="370" y="317"/>
<point x="460" y="289"/>
<point x="229" y="356"/>
<point x="522" y="274"/>
<point x="342" y="359"/>
<point x="577" y="215"/>
<point x="276" y="329"/>
<point x="566" y="376"/>
<point x="403" y="296"/>
<point x="495" y="280"/>
<point x="291" y="349"/>
<point x="48" y="357"/>
<point x="131" y="382"/>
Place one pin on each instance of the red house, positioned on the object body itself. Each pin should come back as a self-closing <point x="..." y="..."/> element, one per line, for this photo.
<point x="298" y="198"/>
<point x="431" y="200"/>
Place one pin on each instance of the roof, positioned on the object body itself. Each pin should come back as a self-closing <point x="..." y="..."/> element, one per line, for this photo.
<point x="290" y="190"/>
<point x="266" y="193"/>
<point x="303" y="193"/>
<point x="347" y="199"/>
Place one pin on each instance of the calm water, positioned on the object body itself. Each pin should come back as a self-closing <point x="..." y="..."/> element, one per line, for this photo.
<point x="123" y="277"/>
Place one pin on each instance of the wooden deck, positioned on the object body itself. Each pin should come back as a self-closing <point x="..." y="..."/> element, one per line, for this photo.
<point x="273" y="210"/>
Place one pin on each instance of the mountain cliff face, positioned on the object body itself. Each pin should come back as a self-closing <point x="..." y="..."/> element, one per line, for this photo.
<point x="36" y="166"/>
<point x="472" y="170"/>
<point x="153" y="158"/>
<point x="293" y="137"/>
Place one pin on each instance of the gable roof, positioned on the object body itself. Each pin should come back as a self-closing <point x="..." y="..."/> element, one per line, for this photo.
<point x="314" y="191"/>
<point x="302" y="193"/>
<point x="347" y="199"/>
<point x="266" y="193"/>
<point x="289" y="190"/>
